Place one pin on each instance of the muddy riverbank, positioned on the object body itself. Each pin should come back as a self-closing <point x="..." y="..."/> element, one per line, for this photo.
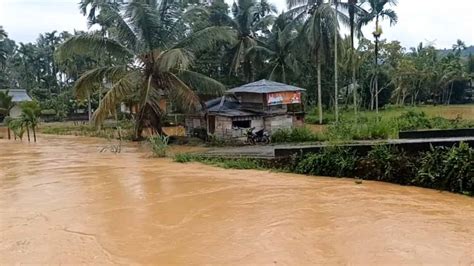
<point x="63" y="201"/>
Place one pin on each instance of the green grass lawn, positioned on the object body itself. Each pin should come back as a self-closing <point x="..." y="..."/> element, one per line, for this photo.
<point x="108" y="130"/>
<point x="464" y="112"/>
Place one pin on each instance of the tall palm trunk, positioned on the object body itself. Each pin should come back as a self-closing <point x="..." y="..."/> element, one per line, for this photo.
<point x="320" y="102"/>
<point x="336" y="89"/>
<point x="352" y="26"/>
<point x="377" y="65"/>
<point x="28" y="132"/>
<point x="34" y="132"/>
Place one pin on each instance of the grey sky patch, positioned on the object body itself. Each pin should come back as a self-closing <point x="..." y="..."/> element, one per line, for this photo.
<point x="436" y="21"/>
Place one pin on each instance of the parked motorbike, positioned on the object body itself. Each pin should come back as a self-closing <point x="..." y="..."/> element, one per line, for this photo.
<point x="254" y="137"/>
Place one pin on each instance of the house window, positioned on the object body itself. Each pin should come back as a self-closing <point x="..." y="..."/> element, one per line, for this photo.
<point x="241" y="124"/>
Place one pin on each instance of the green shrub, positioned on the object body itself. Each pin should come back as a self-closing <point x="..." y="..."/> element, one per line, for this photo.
<point x="185" y="157"/>
<point x="359" y="130"/>
<point x="331" y="161"/>
<point x="231" y="163"/>
<point x="296" y="134"/>
<point x="159" y="145"/>
<point x="447" y="169"/>
<point x="412" y="120"/>
<point x="387" y="163"/>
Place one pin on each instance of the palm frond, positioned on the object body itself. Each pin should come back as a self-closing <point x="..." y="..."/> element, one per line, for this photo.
<point x="146" y="21"/>
<point x="294" y="3"/>
<point x="122" y="29"/>
<point x="391" y="15"/>
<point x="201" y="84"/>
<point x="122" y="88"/>
<point x="176" y="58"/>
<point x="208" y="38"/>
<point x="92" y="45"/>
<point x="93" y="79"/>
<point x="181" y="93"/>
<point x="238" y="58"/>
<point x="260" y="49"/>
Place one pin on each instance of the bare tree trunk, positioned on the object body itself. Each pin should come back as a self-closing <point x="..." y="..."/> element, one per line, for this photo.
<point x="352" y="5"/>
<point x="9" y="133"/>
<point x="377" y="66"/>
<point x="336" y="89"/>
<point x="354" y="88"/>
<point x="372" y="96"/>
<point x="376" y="95"/>
<point x="34" y="133"/>
<point x="320" y="102"/>
<point x="450" y="92"/>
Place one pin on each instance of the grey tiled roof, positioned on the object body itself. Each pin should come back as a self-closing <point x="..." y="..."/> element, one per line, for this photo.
<point x="19" y="95"/>
<point x="264" y="86"/>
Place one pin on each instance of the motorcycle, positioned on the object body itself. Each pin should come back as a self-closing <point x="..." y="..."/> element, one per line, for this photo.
<point x="254" y="137"/>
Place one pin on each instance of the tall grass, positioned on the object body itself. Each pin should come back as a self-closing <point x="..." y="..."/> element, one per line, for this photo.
<point x="231" y="163"/>
<point x="159" y="145"/>
<point x="297" y="134"/>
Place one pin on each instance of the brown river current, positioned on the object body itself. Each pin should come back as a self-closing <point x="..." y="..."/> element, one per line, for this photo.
<point x="63" y="201"/>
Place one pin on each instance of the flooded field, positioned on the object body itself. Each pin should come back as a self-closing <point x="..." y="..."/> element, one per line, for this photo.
<point x="63" y="201"/>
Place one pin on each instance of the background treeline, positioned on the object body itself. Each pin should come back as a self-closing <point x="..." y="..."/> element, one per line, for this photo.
<point x="296" y="47"/>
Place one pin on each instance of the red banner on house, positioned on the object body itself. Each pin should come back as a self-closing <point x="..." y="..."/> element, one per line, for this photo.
<point x="287" y="97"/>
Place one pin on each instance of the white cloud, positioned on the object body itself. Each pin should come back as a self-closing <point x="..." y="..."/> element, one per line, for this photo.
<point x="24" y="20"/>
<point x="419" y="20"/>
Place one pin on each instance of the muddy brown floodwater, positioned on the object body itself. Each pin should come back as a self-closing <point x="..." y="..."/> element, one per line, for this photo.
<point x="63" y="201"/>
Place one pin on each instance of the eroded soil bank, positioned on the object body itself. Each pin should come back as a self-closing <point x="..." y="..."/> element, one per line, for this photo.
<point x="63" y="201"/>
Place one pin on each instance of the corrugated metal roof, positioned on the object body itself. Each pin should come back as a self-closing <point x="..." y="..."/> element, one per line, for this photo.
<point x="265" y="86"/>
<point x="227" y="106"/>
<point x="19" y="95"/>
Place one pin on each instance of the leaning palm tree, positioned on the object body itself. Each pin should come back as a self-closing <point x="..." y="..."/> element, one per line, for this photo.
<point x="150" y="61"/>
<point x="378" y="11"/>
<point x="278" y="51"/>
<point x="317" y="33"/>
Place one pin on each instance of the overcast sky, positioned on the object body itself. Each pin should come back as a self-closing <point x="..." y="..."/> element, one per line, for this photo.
<point x="438" y="21"/>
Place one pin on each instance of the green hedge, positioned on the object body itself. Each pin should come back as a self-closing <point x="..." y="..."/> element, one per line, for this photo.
<point x="442" y="168"/>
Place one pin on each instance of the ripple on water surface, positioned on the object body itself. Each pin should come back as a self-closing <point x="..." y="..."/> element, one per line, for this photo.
<point x="63" y="201"/>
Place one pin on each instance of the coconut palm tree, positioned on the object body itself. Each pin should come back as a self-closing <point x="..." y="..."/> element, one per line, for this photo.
<point x="279" y="50"/>
<point x="459" y="46"/>
<point x="377" y="11"/>
<point x="150" y="61"/>
<point x="249" y="16"/>
<point x="3" y="52"/>
<point x="344" y="19"/>
<point x="29" y="116"/>
<point x="354" y="11"/>
<point x="317" y="33"/>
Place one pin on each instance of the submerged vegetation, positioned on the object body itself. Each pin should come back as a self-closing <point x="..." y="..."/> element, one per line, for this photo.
<point x="159" y="145"/>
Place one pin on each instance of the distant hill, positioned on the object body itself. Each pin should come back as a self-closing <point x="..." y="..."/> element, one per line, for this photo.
<point x="465" y="53"/>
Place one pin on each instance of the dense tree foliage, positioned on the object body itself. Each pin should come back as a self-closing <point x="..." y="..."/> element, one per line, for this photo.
<point x="185" y="51"/>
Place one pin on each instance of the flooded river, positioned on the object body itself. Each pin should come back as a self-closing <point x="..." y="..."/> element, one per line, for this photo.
<point x="63" y="201"/>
